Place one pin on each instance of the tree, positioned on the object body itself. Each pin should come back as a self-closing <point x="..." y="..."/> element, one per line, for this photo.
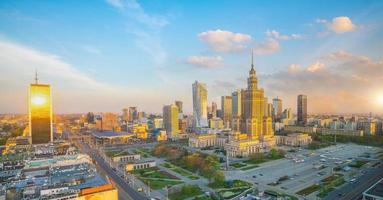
<point x="219" y="178"/>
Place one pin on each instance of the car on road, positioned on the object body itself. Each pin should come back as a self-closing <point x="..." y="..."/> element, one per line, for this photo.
<point x="254" y="176"/>
<point x="353" y="180"/>
<point x="140" y="190"/>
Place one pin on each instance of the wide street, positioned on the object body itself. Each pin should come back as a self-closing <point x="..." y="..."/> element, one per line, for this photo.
<point x="125" y="190"/>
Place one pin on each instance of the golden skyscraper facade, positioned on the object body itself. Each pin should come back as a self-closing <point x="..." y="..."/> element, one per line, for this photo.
<point x="40" y="113"/>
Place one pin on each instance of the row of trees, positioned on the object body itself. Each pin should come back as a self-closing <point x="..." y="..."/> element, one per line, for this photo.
<point x="371" y="140"/>
<point x="273" y="154"/>
<point x="206" y="165"/>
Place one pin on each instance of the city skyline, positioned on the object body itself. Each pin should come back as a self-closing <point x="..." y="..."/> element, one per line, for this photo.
<point x="137" y="58"/>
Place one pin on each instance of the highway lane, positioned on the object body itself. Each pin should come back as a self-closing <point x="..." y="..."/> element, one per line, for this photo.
<point x="133" y="194"/>
<point x="353" y="191"/>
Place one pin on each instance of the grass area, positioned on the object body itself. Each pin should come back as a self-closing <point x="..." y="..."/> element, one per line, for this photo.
<point x="159" y="184"/>
<point x="330" y="183"/>
<point x="358" y="163"/>
<point x="231" y="184"/>
<point x="232" y="192"/>
<point x="155" y="178"/>
<point x="180" y="171"/>
<point x="308" y="190"/>
<point x="281" y="195"/>
<point x="187" y="191"/>
<point x="116" y="153"/>
<point x="204" y="197"/>
<point x="238" y="165"/>
<point x="249" y="167"/>
<point x="258" y="158"/>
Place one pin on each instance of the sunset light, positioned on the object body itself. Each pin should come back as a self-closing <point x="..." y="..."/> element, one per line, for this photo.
<point x="38" y="100"/>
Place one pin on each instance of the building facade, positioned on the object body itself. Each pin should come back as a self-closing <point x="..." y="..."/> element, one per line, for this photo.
<point x="302" y="110"/>
<point x="40" y="113"/>
<point x="199" y="104"/>
<point x="170" y="119"/>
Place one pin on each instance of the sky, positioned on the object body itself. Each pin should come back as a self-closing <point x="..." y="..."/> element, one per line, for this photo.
<point x="104" y="55"/>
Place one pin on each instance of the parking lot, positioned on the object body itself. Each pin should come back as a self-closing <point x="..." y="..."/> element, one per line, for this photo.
<point x="305" y="167"/>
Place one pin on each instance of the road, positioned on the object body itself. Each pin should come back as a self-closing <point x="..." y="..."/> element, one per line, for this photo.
<point x="353" y="191"/>
<point x="121" y="183"/>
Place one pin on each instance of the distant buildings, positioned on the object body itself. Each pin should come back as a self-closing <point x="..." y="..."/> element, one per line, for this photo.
<point x="226" y="107"/>
<point x="294" y="139"/>
<point x="40" y="113"/>
<point x="170" y="119"/>
<point x="277" y="107"/>
<point x="302" y="110"/>
<point x="236" y="104"/>
<point x="199" y="104"/>
<point x="179" y="105"/>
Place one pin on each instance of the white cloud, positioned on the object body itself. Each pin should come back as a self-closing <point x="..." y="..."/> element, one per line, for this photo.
<point x="205" y="61"/>
<point x="341" y="25"/>
<point x="267" y="47"/>
<point x="293" y="68"/>
<point x="278" y="36"/>
<point x="317" y="66"/>
<point x="225" y="41"/>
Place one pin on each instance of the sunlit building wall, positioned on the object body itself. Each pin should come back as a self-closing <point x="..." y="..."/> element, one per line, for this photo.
<point x="170" y="116"/>
<point x="40" y="113"/>
<point x="199" y="104"/>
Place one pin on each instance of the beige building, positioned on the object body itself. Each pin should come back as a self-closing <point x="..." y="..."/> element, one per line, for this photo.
<point x="216" y="123"/>
<point x="302" y="129"/>
<point x="294" y="139"/>
<point x="243" y="147"/>
<point x="327" y="131"/>
<point x="206" y="140"/>
<point x="170" y="119"/>
<point x="226" y="107"/>
<point x="140" y="165"/>
<point x="126" y="158"/>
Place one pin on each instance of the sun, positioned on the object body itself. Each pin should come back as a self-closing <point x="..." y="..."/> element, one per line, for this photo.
<point x="38" y="100"/>
<point x="380" y="99"/>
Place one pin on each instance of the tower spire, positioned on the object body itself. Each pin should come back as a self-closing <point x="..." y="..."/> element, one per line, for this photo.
<point x="252" y="59"/>
<point x="36" y="78"/>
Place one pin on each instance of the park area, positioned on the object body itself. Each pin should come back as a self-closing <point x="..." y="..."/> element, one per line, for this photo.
<point x="155" y="178"/>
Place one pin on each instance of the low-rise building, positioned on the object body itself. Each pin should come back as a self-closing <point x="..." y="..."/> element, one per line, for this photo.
<point x="327" y="131"/>
<point x="139" y="165"/>
<point x="302" y="129"/>
<point x="294" y="139"/>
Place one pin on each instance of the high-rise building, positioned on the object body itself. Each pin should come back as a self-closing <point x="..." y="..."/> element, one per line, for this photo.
<point x="199" y="104"/>
<point x="40" y="113"/>
<point x="214" y="109"/>
<point x="253" y="122"/>
<point x="125" y="114"/>
<point x="302" y="109"/>
<point x="170" y="120"/>
<point x="236" y="104"/>
<point x="277" y="106"/>
<point x="109" y="122"/>
<point x="133" y="114"/>
<point x="226" y="107"/>
<point x="90" y="118"/>
<point x="179" y="105"/>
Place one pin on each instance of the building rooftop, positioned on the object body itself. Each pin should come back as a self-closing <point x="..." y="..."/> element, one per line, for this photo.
<point x="376" y="190"/>
<point x="111" y="134"/>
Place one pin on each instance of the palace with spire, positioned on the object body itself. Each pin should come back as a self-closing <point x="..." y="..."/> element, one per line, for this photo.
<point x="251" y="126"/>
<point x="253" y="131"/>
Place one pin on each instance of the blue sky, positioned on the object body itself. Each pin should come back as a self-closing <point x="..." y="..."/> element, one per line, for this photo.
<point x="119" y="53"/>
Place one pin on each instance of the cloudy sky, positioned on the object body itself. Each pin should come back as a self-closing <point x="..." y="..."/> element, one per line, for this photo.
<point x="105" y="55"/>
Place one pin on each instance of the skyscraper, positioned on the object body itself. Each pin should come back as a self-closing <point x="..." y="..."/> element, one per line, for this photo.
<point x="133" y="114"/>
<point x="179" y="105"/>
<point x="199" y="105"/>
<point x="170" y="120"/>
<point x="253" y="121"/>
<point x="302" y="109"/>
<point x="277" y="106"/>
<point x="236" y="103"/>
<point x="226" y="107"/>
<point x="40" y="113"/>
<point x="214" y="109"/>
<point x="125" y="114"/>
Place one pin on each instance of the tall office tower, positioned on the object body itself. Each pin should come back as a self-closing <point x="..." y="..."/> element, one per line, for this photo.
<point x="302" y="109"/>
<point x="199" y="104"/>
<point x="277" y="106"/>
<point x="179" y="105"/>
<point x="170" y="120"/>
<point x="236" y="103"/>
<point x="133" y="114"/>
<point x="90" y="118"/>
<point x="253" y="121"/>
<point x="125" y="114"/>
<point x="109" y="122"/>
<point x="214" y="109"/>
<point x="40" y="113"/>
<point x="226" y="107"/>
<point x="287" y="114"/>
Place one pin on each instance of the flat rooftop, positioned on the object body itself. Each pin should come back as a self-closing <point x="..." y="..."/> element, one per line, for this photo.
<point x="376" y="190"/>
<point x="110" y="134"/>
